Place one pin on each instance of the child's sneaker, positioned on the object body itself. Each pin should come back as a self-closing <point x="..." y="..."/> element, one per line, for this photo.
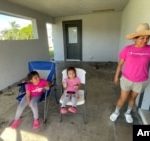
<point x="15" y="124"/>
<point x="72" y="109"/>
<point x="63" y="110"/>
<point x="36" y="124"/>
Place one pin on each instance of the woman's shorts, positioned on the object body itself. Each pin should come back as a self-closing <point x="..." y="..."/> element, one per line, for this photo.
<point x="128" y="85"/>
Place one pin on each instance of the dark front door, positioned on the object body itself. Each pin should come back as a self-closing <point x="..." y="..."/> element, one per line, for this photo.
<point x="72" y="33"/>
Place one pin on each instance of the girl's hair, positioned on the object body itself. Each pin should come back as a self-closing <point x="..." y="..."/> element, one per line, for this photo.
<point x="72" y="69"/>
<point x="32" y="74"/>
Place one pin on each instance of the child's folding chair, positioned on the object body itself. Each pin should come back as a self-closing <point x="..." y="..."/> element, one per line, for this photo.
<point x="81" y="73"/>
<point x="46" y="70"/>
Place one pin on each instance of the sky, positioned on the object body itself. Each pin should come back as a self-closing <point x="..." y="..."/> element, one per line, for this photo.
<point x="5" y="20"/>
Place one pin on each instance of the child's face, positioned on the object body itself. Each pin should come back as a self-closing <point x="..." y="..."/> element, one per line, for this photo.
<point x="71" y="74"/>
<point x="35" y="80"/>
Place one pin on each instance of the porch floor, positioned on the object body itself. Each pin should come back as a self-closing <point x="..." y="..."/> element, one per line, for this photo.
<point x="102" y="95"/>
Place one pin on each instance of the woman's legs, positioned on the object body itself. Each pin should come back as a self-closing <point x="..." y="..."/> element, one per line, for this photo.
<point x="122" y="99"/>
<point x="120" y="103"/>
<point x="131" y="103"/>
<point x="131" y="91"/>
<point x="132" y="98"/>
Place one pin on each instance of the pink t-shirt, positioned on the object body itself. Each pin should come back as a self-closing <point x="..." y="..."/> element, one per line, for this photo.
<point x="72" y="83"/>
<point x="36" y="90"/>
<point x="137" y="61"/>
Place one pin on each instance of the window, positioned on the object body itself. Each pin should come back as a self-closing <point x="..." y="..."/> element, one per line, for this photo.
<point x="17" y="28"/>
<point x="50" y="40"/>
<point x="72" y="35"/>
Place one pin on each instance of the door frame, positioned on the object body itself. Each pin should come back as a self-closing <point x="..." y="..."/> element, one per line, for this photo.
<point x="64" y="23"/>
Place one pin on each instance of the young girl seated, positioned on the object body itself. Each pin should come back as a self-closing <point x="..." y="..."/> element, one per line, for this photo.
<point x="34" y="90"/>
<point x="71" y="86"/>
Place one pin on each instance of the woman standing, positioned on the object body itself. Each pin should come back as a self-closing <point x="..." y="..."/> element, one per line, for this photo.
<point x="134" y="61"/>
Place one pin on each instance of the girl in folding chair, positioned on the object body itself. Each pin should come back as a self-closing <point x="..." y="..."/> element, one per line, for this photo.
<point x="71" y="86"/>
<point x="34" y="91"/>
<point x="72" y="94"/>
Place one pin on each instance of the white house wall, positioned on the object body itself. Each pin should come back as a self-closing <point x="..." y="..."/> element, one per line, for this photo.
<point x="100" y="36"/>
<point x="14" y="55"/>
<point x="136" y="11"/>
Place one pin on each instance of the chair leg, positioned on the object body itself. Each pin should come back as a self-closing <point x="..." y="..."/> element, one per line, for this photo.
<point x="84" y="114"/>
<point x="45" y="108"/>
<point x="55" y="94"/>
<point x="61" y="118"/>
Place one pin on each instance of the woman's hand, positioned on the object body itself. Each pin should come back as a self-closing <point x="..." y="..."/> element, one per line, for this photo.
<point x="116" y="80"/>
<point x="118" y="71"/>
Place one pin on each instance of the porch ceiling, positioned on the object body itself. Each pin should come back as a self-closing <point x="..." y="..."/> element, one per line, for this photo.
<point x="57" y="8"/>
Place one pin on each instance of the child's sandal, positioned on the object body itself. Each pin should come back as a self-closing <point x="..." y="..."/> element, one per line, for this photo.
<point x="72" y="109"/>
<point x="15" y="123"/>
<point x="63" y="110"/>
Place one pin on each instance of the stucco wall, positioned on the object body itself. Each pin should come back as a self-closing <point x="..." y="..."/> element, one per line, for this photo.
<point x="136" y="11"/>
<point x="100" y="34"/>
<point x="14" y="55"/>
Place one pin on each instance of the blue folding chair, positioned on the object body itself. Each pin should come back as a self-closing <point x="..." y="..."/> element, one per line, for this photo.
<point x="46" y="70"/>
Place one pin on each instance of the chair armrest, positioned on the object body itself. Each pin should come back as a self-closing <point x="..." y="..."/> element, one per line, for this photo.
<point x="85" y="92"/>
<point x="46" y="93"/>
<point x="21" y="84"/>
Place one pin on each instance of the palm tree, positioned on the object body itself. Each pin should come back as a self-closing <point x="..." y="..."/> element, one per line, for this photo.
<point x="14" y="25"/>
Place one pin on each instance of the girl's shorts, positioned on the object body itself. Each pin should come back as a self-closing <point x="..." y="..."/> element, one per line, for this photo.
<point x="128" y="85"/>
